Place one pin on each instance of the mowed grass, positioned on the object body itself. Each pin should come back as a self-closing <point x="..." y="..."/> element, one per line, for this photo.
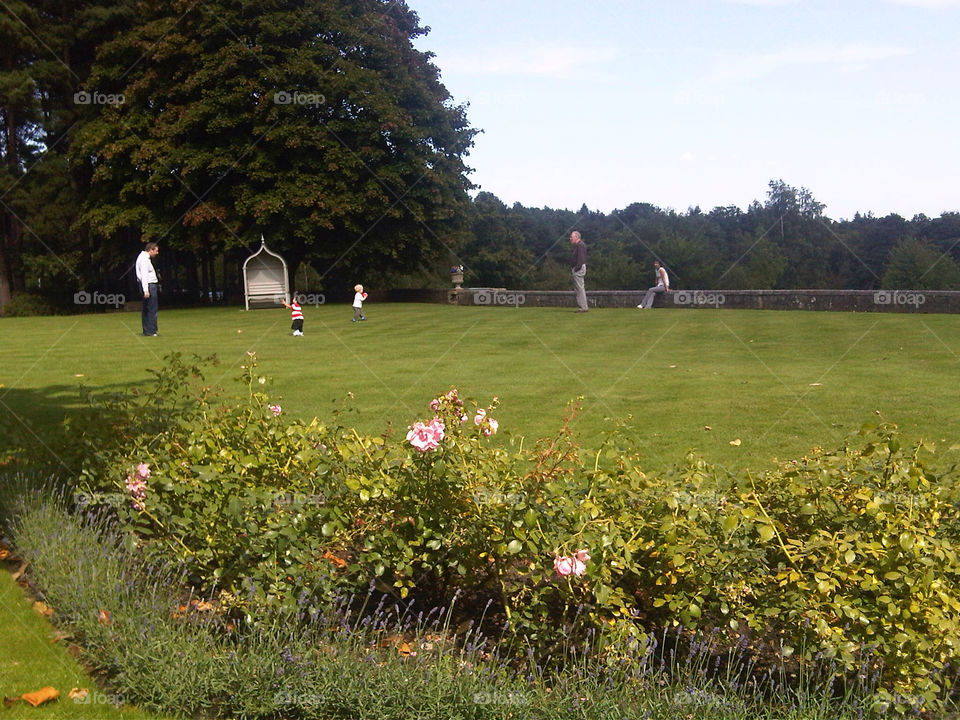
<point x="30" y="659"/>
<point x="779" y="382"/>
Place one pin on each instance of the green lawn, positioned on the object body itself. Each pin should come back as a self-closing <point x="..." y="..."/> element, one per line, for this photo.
<point x="29" y="661"/>
<point x="780" y="382"/>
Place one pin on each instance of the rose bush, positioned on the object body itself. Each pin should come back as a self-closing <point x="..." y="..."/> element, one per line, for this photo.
<point x="846" y="555"/>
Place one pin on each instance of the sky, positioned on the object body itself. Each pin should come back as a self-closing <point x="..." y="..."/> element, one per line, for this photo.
<point x="700" y="103"/>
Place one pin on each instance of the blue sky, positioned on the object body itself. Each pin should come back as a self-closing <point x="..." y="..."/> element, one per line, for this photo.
<point x="702" y="103"/>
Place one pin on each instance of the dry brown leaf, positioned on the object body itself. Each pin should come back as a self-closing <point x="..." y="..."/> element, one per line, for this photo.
<point x="78" y="694"/>
<point x="707" y="427"/>
<point x="4" y="553"/>
<point x="406" y="651"/>
<point x="338" y="561"/>
<point x="8" y="701"/>
<point x="104" y="617"/>
<point x="41" y="696"/>
<point x="42" y="608"/>
<point x="20" y="571"/>
<point x="735" y="443"/>
<point x="58" y="635"/>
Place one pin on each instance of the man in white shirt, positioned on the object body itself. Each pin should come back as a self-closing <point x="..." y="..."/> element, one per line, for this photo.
<point x="663" y="285"/>
<point x="147" y="277"/>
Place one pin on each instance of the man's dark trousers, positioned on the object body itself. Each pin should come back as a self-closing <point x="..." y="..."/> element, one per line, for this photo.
<point x="148" y="313"/>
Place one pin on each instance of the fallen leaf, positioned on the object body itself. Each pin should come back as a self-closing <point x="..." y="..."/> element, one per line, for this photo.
<point x="104" y="617"/>
<point x="8" y="701"/>
<point x="201" y="605"/>
<point x="41" y="696"/>
<point x="78" y="374"/>
<point x="338" y="561"/>
<point x="42" y="608"/>
<point x="735" y="443"/>
<point x="672" y="366"/>
<point x="19" y="571"/>
<point x="816" y="384"/>
<point x="4" y="553"/>
<point x="78" y="694"/>
<point x="58" y="635"/>
<point x="707" y="427"/>
<point x="406" y="651"/>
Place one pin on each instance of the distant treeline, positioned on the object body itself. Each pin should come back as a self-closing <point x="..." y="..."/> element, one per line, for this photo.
<point x="785" y="242"/>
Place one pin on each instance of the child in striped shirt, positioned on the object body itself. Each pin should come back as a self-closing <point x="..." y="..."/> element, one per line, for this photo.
<point x="296" y="315"/>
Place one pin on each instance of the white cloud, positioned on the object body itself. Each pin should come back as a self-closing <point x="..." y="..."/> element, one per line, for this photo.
<point x="540" y="60"/>
<point x="762" y="3"/>
<point x="753" y="66"/>
<point x="927" y="3"/>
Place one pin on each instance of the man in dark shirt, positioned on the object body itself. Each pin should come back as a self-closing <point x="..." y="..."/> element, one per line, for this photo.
<point x="578" y="264"/>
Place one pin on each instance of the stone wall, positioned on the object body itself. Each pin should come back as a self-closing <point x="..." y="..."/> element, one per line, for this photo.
<point x="922" y="301"/>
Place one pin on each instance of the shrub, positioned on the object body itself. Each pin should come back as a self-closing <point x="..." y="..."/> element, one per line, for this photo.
<point x="28" y="305"/>
<point x="848" y="556"/>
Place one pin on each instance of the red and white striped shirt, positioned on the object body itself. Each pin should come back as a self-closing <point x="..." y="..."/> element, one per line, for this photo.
<point x="295" y="312"/>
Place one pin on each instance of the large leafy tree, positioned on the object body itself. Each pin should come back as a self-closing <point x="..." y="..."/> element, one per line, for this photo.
<point x="46" y="50"/>
<point x="917" y="265"/>
<point x="315" y="123"/>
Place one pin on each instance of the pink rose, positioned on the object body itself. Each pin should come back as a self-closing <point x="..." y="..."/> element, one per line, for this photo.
<point x="426" y="437"/>
<point x="491" y="428"/>
<point x="481" y="414"/>
<point x="563" y="566"/>
<point x="276" y="410"/>
<point x="138" y="491"/>
<point x="435" y="404"/>
<point x="143" y="470"/>
<point x="575" y="565"/>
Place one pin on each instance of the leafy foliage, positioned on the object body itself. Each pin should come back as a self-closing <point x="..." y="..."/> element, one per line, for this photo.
<point x="847" y="555"/>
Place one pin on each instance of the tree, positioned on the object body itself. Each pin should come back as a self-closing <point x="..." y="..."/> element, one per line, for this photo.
<point x="314" y="123"/>
<point x="917" y="265"/>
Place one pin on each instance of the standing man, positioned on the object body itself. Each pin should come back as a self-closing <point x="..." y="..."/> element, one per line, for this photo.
<point x="663" y="285"/>
<point x="578" y="264"/>
<point x="147" y="277"/>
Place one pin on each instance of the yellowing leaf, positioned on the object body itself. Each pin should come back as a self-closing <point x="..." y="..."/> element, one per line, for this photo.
<point x="735" y="443"/>
<point x="78" y="694"/>
<point x="43" y="608"/>
<point x="41" y="696"/>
